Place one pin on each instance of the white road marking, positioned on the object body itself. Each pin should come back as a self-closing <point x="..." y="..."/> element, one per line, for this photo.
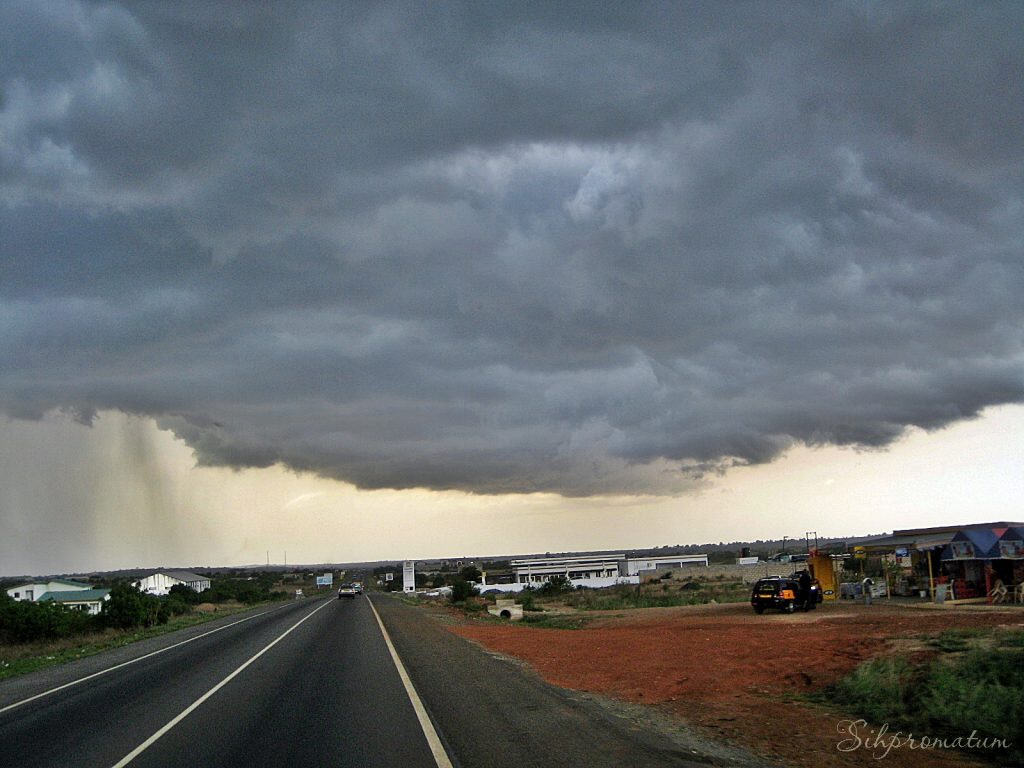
<point x="195" y="704"/>
<point x="127" y="663"/>
<point x="433" y="740"/>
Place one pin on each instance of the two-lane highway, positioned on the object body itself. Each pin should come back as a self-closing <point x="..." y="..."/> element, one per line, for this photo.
<point x="307" y="683"/>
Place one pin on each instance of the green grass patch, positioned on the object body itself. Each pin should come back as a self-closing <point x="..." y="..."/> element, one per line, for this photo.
<point x="957" y="640"/>
<point x="975" y="685"/>
<point x="557" y="621"/>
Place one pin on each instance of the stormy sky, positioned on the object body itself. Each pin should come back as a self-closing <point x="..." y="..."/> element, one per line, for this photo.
<point x="573" y="248"/>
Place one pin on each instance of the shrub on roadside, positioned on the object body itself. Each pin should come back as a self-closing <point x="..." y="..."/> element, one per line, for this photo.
<point x="184" y="594"/>
<point x="980" y="690"/>
<point x="128" y="607"/>
<point x="556" y="585"/>
<point x="461" y="590"/>
<point x="22" y="621"/>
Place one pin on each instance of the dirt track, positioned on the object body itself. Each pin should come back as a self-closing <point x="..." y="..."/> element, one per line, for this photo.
<point x="734" y="673"/>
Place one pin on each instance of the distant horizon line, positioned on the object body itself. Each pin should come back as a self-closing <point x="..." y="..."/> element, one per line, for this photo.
<point x="383" y="561"/>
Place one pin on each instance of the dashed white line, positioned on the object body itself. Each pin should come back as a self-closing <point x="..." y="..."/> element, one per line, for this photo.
<point x="191" y="707"/>
<point x="433" y="740"/>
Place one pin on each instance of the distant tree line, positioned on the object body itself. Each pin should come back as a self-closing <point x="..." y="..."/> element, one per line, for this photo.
<point x="23" y="621"/>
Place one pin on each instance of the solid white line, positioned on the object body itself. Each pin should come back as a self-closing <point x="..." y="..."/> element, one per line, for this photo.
<point x="433" y="740"/>
<point x="127" y="663"/>
<point x="191" y="707"/>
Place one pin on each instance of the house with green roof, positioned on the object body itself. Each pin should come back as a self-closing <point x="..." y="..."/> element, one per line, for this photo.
<point x="89" y="600"/>
<point x="33" y="591"/>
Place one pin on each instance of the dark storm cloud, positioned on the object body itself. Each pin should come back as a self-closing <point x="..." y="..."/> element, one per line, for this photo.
<point x="567" y="248"/>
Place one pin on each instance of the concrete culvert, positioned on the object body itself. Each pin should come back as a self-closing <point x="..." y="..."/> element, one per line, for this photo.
<point x="506" y="608"/>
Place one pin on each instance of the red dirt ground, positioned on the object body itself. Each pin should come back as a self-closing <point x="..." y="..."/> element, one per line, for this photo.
<point x="734" y="673"/>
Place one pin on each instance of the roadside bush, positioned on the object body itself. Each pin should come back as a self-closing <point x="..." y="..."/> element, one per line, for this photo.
<point x="175" y="605"/>
<point x="184" y="594"/>
<point x="980" y="690"/>
<point x="128" y="608"/>
<point x="22" y="621"/>
<point x="461" y="590"/>
<point x="248" y="591"/>
<point x="556" y="585"/>
<point x="878" y="689"/>
<point x="527" y="600"/>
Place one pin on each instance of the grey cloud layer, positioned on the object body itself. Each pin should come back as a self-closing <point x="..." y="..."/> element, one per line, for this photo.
<point x="573" y="249"/>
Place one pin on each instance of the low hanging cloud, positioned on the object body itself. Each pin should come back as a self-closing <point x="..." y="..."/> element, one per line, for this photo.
<point x="575" y="249"/>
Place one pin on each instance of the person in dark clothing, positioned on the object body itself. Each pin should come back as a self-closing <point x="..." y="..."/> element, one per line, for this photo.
<point x="805" y="589"/>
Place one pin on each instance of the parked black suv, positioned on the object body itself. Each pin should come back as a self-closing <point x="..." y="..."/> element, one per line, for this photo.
<point x="777" y="592"/>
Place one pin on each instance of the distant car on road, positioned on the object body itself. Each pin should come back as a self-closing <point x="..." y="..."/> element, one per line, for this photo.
<point x="776" y="592"/>
<point x="358" y="587"/>
<point x="346" y="590"/>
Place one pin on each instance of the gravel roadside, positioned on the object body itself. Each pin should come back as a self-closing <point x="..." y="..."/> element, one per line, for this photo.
<point x="495" y="712"/>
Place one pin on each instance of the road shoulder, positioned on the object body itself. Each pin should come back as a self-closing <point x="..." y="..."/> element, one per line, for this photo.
<point x="493" y="711"/>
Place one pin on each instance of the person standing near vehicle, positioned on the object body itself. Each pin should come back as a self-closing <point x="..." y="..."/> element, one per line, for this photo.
<point x="867" y="584"/>
<point x="805" y="589"/>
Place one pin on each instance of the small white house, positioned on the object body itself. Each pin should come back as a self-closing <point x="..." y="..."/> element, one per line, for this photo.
<point x="35" y="590"/>
<point x="160" y="582"/>
<point x="88" y="600"/>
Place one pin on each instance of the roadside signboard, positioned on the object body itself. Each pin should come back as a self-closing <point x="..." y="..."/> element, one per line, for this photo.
<point x="409" y="576"/>
<point x="326" y="580"/>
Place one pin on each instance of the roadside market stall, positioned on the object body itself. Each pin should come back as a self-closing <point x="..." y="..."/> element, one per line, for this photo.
<point x="984" y="564"/>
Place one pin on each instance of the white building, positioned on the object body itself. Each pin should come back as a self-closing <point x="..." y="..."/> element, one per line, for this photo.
<point x="73" y="594"/>
<point x="593" y="571"/>
<point x="35" y="590"/>
<point x="89" y="600"/>
<point x="573" y="568"/>
<point x="637" y="566"/>
<point x="160" y="582"/>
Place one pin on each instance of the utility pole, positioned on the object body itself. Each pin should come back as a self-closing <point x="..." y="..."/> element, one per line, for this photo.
<point x="807" y="540"/>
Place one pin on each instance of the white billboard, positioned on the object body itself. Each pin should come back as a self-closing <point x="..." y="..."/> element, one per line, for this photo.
<point x="409" y="576"/>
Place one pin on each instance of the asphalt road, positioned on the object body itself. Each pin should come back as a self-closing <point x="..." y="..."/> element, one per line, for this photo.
<point x="327" y="693"/>
<point x="313" y="683"/>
